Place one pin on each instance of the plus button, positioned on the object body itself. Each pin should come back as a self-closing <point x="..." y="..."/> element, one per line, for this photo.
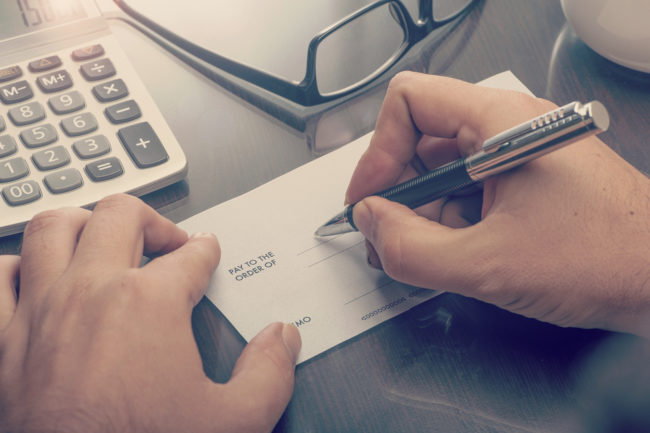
<point x="143" y="143"/>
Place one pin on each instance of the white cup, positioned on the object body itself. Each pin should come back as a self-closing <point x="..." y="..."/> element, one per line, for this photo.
<point x="618" y="30"/>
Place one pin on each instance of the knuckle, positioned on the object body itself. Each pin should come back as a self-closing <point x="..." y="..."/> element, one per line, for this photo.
<point x="401" y="80"/>
<point x="118" y="202"/>
<point x="48" y="219"/>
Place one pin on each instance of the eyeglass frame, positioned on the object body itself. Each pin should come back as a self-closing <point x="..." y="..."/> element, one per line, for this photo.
<point x="306" y="91"/>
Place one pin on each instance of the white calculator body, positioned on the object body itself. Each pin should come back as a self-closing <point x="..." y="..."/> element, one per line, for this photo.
<point x="76" y="122"/>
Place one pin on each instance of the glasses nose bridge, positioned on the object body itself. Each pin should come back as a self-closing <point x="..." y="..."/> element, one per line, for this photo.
<point x="421" y="15"/>
<point x="425" y="11"/>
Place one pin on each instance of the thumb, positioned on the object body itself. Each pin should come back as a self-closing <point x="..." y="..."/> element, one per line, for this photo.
<point x="263" y="377"/>
<point x="417" y="251"/>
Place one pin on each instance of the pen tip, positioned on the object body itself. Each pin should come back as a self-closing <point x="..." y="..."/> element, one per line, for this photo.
<point x="336" y="226"/>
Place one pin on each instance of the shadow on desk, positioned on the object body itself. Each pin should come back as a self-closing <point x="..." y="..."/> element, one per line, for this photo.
<point x="458" y="364"/>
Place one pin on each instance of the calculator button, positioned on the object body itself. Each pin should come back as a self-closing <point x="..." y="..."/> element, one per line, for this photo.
<point x="39" y="135"/>
<point x="87" y="53"/>
<point x="123" y="112"/>
<point x="67" y="102"/>
<point x="7" y="145"/>
<point x="26" y="114"/>
<point x="13" y="169"/>
<point x="104" y="169"/>
<point x="63" y="181"/>
<point x="16" y="92"/>
<point x="10" y="73"/>
<point x="97" y="70"/>
<point x="143" y="145"/>
<point x="44" y="64"/>
<point x="55" y="81"/>
<point x="110" y="90"/>
<point x="79" y="125"/>
<point x="2" y="124"/>
<point x="91" y="147"/>
<point x="51" y="158"/>
<point x="21" y="193"/>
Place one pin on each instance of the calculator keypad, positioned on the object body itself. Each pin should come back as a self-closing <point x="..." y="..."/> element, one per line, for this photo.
<point x="26" y="114"/>
<point x="110" y="90"/>
<point x="67" y="102"/>
<point x="63" y="181"/>
<point x="79" y="125"/>
<point x="7" y="145"/>
<point x="87" y="53"/>
<point x="13" y="169"/>
<point x="10" y="73"/>
<point x="123" y="112"/>
<point x="98" y="70"/>
<point x="21" y="193"/>
<point x="45" y="64"/>
<point x="16" y="92"/>
<point x="142" y="143"/>
<point x="71" y="122"/>
<point x="104" y="169"/>
<point x="38" y="136"/>
<point x="51" y="158"/>
<point x="91" y="147"/>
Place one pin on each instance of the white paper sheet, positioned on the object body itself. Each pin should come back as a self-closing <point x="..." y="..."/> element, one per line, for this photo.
<point x="274" y="269"/>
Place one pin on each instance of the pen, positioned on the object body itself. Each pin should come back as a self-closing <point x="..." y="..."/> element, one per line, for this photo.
<point x="500" y="153"/>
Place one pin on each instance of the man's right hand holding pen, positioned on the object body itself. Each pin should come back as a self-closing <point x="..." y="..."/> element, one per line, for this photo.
<point x="564" y="239"/>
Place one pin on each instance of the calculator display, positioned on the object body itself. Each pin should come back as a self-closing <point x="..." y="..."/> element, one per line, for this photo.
<point x="18" y="17"/>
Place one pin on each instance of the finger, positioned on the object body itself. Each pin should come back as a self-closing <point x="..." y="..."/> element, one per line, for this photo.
<point x="9" y="266"/>
<point x="436" y="106"/>
<point x="49" y="242"/>
<point x="263" y="377"/>
<point x="120" y="229"/>
<point x="434" y="151"/>
<point x="417" y="251"/>
<point x="462" y="211"/>
<point x="188" y="269"/>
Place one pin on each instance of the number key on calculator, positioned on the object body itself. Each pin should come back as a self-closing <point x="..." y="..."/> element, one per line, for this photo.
<point x="76" y="122"/>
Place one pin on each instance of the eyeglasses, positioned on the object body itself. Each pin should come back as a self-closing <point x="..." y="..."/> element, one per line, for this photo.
<point x="342" y="58"/>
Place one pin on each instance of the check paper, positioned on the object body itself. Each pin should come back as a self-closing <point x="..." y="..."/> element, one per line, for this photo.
<point x="274" y="269"/>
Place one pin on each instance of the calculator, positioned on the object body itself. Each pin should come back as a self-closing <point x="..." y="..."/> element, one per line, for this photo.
<point x="76" y="122"/>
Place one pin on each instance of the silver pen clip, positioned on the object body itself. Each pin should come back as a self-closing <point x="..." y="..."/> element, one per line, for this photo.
<point x="536" y="137"/>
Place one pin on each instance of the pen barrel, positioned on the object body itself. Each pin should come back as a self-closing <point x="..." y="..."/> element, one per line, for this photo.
<point x="500" y="153"/>
<point x="434" y="184"/>
<point x="423" y="189"/>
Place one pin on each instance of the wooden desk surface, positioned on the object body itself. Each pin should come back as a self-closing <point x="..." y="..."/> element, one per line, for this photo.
<point x="451" y="364"/>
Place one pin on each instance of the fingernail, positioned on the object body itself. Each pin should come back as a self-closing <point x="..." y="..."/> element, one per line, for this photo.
<point x="203" y="235"/>
<point x="292" y="341"/>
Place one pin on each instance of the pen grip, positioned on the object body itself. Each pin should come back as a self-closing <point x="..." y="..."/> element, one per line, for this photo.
<point x="424" y="189"/>
<point x="430" y="186"/>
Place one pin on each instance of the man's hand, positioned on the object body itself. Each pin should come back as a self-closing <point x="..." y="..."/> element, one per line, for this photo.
<point x="565" y="238"/>
<point x="95" y="343"/>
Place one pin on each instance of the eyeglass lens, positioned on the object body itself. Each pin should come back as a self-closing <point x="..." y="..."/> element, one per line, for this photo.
<point x="357" y="50"/>
<point x="368" y="44"/>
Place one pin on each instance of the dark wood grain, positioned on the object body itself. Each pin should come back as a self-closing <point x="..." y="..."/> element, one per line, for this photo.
<point x="452" y="364"/>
